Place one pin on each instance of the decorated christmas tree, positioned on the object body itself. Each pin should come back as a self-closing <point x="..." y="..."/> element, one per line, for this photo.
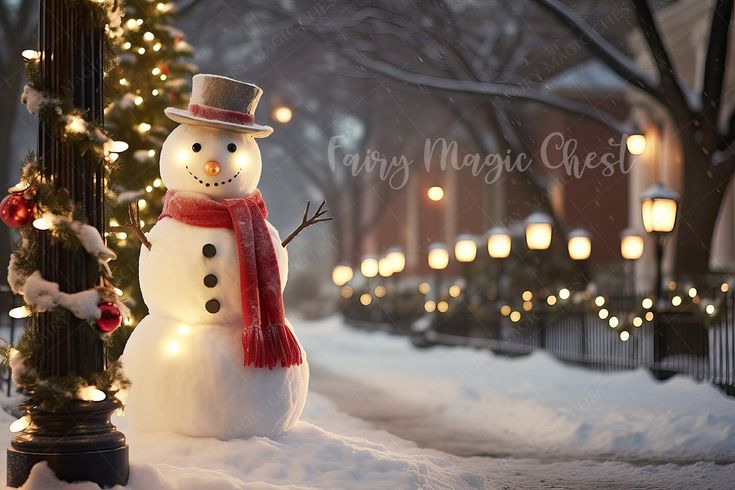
<point x="151" y="74"/>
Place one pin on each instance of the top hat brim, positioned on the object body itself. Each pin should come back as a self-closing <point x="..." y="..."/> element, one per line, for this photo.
<point x="185" y="117"/>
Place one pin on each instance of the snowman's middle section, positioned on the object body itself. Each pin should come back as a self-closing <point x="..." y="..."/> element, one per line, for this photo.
<point x="192" y="273"/>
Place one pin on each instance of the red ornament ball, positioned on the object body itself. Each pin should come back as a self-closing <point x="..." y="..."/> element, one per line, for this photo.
<point x="16" y="211"/>
<point x="110" y="318"/>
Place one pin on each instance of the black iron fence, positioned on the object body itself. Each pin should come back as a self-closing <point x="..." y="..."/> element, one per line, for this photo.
<point x="677" y="341"/>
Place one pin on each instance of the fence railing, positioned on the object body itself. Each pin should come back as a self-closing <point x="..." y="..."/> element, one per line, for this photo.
<point x="676" y="342"/>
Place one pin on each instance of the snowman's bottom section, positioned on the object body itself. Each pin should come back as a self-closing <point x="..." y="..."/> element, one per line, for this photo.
<point x="190" y="379"/>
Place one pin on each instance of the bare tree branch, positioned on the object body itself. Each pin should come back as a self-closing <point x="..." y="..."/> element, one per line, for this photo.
<point x="490" y="89"/>
<point x="609" y="54"/>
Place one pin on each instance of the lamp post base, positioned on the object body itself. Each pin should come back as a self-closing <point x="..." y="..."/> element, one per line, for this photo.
<point x="78" y="442"/>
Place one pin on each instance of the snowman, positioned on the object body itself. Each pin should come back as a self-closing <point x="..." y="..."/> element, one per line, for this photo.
<point x="216" y="356"/>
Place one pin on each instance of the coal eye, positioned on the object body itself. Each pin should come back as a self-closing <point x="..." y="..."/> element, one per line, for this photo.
<point x="196" y="147"/>
<point x="232" y="147"/>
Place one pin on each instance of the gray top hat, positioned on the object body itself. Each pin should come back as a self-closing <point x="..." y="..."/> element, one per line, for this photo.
<point x="222" y="103"/>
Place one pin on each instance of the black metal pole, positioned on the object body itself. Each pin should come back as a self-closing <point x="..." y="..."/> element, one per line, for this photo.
<point x="78" y="441"/>
<point x="659" y="265"/>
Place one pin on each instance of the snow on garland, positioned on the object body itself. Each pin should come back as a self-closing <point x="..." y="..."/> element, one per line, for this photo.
<point x="36" y="206"/>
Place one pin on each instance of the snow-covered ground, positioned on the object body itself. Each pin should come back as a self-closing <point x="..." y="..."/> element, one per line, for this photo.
<point x="533" y="422"/>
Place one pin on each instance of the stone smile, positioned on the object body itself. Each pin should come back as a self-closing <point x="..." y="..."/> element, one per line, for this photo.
<point x="216" y="184"/>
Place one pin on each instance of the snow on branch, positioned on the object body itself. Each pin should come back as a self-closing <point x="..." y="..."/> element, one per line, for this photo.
<point x="609" y="54"/>
<point x="491" y="89"/>
<point x="45" y="295"/>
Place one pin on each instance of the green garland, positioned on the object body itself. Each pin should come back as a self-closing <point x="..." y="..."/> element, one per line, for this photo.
<point x="59" y="113"/>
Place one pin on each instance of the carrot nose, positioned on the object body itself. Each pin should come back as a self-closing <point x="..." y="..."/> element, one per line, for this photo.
<point x="212" y="168"/>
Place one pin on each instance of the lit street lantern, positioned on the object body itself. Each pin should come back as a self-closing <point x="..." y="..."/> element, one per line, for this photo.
<point x="369" y="266"/>
<point x="631" y="245"/>
<point x="438" y="256"/>
<point x="341" y="274"/>
<point x="659" y="206"/>
<point x="498" y="242"/>
<point x="636" y="144"/>
<point x="579" y="244"/>
<point x="435" y="193"/>
<point x="385" y="267"/>
<point x="538" y="231"/>
<point x="465" y="248"/>
<point x="396" y="258"/>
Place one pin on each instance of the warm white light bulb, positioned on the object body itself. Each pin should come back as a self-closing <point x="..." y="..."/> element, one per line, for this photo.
<point x="20" y="312"/>
<point x="20" y="424"/>
<point x="636" y="144"/>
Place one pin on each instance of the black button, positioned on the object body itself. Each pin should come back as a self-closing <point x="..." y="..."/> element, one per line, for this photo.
<point x="209" y="250"/>
<point x="212" y="306"/>
<point x="210" y="280"/>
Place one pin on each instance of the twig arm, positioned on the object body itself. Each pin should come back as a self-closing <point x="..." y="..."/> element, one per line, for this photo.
<point x="306" y="221"/>
<point x="133" y="224"/>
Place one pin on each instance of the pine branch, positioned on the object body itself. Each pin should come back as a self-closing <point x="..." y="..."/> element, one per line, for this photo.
<point x="133" y="224"/>
<point x="306" y="221"/>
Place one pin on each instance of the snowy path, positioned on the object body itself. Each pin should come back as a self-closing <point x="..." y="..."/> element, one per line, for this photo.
<point x="463" y="401"/>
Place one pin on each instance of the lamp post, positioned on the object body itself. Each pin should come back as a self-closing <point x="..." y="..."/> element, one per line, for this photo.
<point x="465" y="252"/>
<point x="631" y="249"/>
<point x="538" y="231"/>
<point x="78" y="441"/>
<point x="438" y="258"/>
<point x="659" y="206"/>
<point x="579" y="246"/>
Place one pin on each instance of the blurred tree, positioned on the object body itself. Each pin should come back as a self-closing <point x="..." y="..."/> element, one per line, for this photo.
<point x="151" y="74"/>
<point x="18" y="22"/>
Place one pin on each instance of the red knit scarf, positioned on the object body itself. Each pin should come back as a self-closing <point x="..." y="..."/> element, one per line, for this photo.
<point x="266" y="339"/>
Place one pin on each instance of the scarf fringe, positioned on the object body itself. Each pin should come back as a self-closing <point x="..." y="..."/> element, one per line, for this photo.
<point x="266" y="347"/>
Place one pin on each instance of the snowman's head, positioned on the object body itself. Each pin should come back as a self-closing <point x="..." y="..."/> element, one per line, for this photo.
<point x="222" y="164"/>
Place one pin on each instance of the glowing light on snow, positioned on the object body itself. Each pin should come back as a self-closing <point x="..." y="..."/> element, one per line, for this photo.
<point x="173" y="347"/>
<point x="184" y="330"/>
<point x="242" y="160"/>
<point x="91" y="394"/>
<point x="282" y="114"/>
<point x="636" y="144"/>
<point x="20" y="312"/>
<point x="435" y="193"/>
<point x="20" y="424"/>
<point x="42" y="223"/>
<point x="564" y="293"/>
<point x="624" y="335"/>
<point x="424" y="288"/>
